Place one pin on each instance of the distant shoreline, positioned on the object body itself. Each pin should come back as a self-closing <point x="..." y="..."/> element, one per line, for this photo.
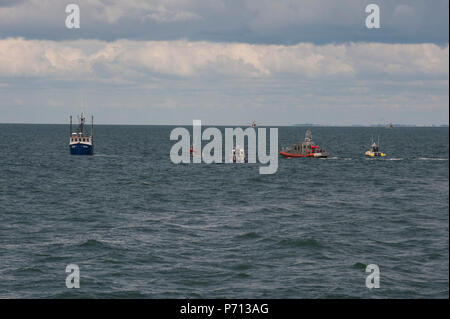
<point x="372" y="125"/>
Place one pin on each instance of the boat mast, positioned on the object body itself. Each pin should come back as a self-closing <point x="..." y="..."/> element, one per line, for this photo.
<point x="81" y="127"/>
<point x="92" y="125"/>
<point x="70" y="126"/>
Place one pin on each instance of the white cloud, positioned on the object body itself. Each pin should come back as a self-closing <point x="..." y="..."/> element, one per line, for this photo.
<point x="135" y="60"/>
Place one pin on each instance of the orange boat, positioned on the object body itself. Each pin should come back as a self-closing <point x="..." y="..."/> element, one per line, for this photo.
<point x="307" y="148"/>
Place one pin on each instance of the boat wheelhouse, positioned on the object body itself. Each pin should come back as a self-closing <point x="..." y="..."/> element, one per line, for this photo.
<point x="238" y="155"/>
<point x="307" y="148"/>
<point x="374" y="152"/>
<point x="81" y="142"/>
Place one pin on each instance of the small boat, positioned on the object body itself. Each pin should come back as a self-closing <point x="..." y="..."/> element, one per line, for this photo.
<point x="194" y="152"/>
<point x="307" y="148"/>
<point x="253" y="124"/>
<point x="81" y="143"/>
<point x="374" y="152"/>
<point x="238" y="155"/>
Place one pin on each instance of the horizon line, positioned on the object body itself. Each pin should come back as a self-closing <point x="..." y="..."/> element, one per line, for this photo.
<point x="395" y="125"/>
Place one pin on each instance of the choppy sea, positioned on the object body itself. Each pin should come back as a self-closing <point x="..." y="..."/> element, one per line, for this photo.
<point x="139" y="226"/>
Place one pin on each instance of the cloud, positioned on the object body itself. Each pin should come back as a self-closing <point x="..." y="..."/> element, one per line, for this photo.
<point x="137" y="60"/>
<point x="252" y="21"/>
<point x="10" y="3"/>
<point x="163" y="82"/>
<point x="109" y="12"/>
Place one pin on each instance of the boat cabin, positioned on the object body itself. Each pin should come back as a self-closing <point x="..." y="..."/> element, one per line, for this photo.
<point x="374" y="148"/>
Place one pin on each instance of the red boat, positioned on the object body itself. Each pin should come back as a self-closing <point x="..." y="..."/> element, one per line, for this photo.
<point x="307" y="148"/>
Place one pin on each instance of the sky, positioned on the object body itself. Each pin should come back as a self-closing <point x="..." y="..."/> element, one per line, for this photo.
<point x="225" y="62"/>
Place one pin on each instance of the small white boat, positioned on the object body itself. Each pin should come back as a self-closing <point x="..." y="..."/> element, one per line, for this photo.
<point x="238" y="155"/>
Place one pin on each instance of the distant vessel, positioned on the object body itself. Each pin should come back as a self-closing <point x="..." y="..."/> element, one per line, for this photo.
<point x="375" y="152"/>
<point x="306" y="124"/>
<point x="194" y="152"/>
<point x="81" y="143"/>
<point x="307" y="148"/>
<point x="253" y="124"/>
<point x="238" y="155"/>
<point x="390" y="125"/>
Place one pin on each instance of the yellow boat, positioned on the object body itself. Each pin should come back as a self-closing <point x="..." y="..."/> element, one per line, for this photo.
<point x="374" y="152"/>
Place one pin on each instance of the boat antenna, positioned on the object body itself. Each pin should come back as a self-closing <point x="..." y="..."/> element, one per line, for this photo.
<point x="82" y="102"/>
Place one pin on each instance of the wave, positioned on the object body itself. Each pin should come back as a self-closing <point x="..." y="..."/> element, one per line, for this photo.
<point x="338" y="158"/>
<point x="432" y="159"/>
<point x="298" y="242"/>
<point x="31" y="270"/>
<point x="92" y="243"/>
<point x="251" y="235"/>
<point x="359" y="265"/>
<point x="102" y="155"/>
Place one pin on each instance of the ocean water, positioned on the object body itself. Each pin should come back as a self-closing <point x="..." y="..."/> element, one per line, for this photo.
<point x="139" y="226"/>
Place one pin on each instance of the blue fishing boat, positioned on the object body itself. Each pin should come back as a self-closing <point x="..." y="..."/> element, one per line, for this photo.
<point x="81" y="142"/>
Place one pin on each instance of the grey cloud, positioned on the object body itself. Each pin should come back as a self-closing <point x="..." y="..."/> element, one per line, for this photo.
<point x="254" y="21"/>
<point x="10" y="3"/>
<point x="223" y="102"/>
